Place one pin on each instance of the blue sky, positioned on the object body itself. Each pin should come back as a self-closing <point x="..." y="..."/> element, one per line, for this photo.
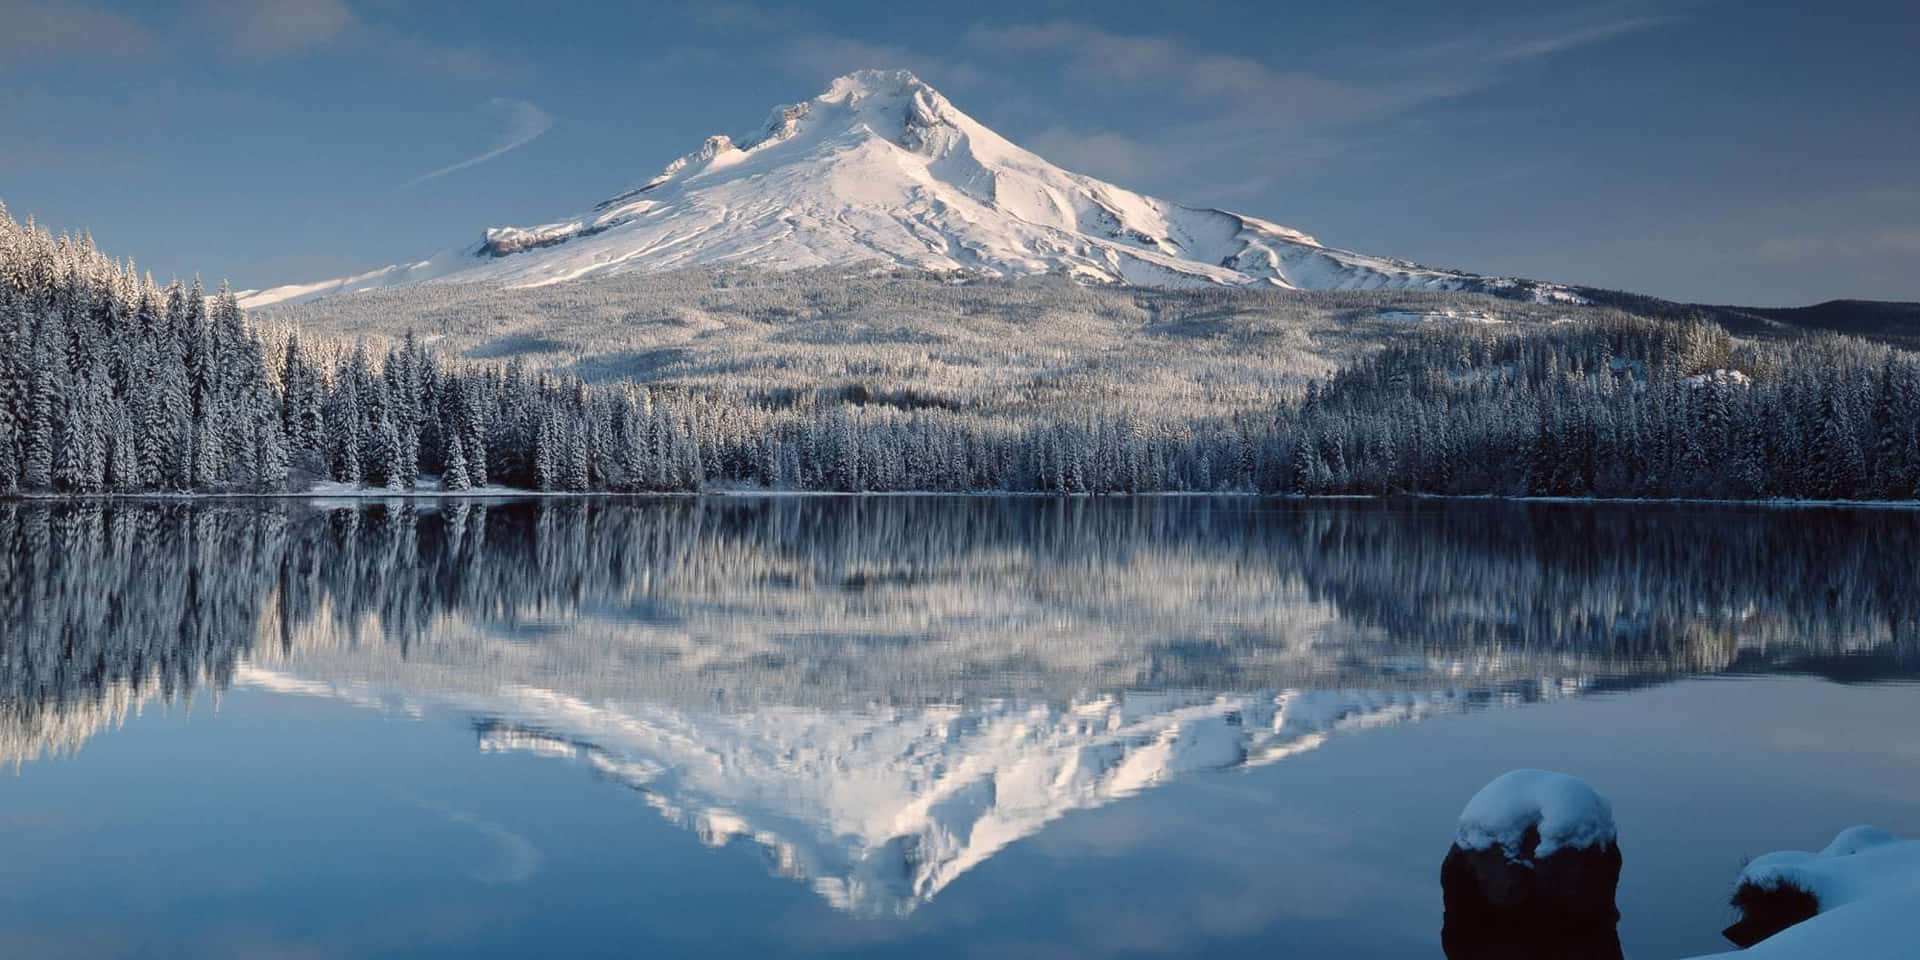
<point x="1753" y="152"/>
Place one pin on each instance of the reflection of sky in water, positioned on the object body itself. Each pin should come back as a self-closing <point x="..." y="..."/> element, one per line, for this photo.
<point x="919" y="727"/>
<point x="286" y="825"/>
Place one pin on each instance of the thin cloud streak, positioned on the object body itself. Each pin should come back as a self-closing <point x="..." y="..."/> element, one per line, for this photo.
<point x="1291" y="117"/>
<point x="1547" y="46"/>
<point x="524" y="123"/>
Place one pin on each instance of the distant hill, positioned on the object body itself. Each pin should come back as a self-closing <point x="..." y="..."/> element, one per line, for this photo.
<point x="1888" y="321"/>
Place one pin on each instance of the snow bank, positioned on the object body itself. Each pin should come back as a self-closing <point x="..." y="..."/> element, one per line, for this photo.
<point x="1858" y="862"/>
<point x="1867" y="882"/>
<point x="1566" y="812"/>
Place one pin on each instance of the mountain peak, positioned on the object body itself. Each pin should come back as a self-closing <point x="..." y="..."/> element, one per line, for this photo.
<point x="880" y="167"/>
<point x="871" y="83"/>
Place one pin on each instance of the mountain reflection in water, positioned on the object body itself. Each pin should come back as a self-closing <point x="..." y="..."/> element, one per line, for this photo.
<point x="883" y="692"/>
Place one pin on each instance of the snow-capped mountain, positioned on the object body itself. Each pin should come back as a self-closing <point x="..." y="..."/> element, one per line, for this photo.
<point x="882" y="168"/>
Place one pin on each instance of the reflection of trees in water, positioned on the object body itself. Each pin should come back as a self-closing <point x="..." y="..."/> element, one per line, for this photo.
<point x="1683" y="586"/>
<point x="791" y="599"/>
<point x="102" y="609"/>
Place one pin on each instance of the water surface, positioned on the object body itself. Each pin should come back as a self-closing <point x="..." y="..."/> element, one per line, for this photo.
<point x="911" y="726"/>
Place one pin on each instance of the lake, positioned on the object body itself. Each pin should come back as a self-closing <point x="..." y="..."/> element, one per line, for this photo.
<point x="912" y="726"/>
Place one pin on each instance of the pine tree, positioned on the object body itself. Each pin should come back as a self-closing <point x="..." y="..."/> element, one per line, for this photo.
<point x="124" y="472"/>
<point x="302" y="414"/>
<point x="13" y="383"/>
<point x="271" y="456"/>
<point x="207" y="471"/>
<point x="474" y="440"/>
<point x="454" y="478"/>
<point x="345" y="423"/>
<point x="48" y="402"/>
<point x="577" y="456"/>
<point x="392" y="458"/>
<point x="546" y="474"/>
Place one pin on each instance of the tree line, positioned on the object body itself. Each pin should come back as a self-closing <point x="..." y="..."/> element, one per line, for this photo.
<point x="110" y="383"/>
<point x="1627" y="408"/>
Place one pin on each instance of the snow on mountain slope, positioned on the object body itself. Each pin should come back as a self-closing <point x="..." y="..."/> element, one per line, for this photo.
<point x="882" y="168"/>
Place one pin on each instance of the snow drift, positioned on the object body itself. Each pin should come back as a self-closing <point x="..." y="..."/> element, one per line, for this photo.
<point x="1865" y="893"/>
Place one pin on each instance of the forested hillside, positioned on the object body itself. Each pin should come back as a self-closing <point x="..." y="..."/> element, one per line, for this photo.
<point x="111" y="383"/>
<point x="1628" y="409"/>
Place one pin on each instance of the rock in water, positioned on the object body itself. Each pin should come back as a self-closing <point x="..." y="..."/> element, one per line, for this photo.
<point x="1532" y="871"/>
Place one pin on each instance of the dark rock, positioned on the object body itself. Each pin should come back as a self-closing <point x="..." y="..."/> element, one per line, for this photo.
<point x="1502" y="904"/>
<point x="1767" y="910"/>
<point x="1535" y="943"/>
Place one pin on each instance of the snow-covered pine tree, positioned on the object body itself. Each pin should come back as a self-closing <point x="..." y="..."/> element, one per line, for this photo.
<point x="454" y="477"/>
<point x="271" y="457"/>
<point x="13" y="358"/>
<point x="546" y="456"/>
<point x="46" y="403"/>
<point x="578" y="456"/>
<point x="391" y="459"/>
<point x="301" y="409"/>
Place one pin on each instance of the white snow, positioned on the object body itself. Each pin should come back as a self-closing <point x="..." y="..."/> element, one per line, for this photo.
<point x="1440" y="316"/>
<point x="1727" y="378"/>
<point x="1566" y="811"/>
<point x="881" y="167"/>
<point x="425" y="486"/>
<point x="1868" y="884"/>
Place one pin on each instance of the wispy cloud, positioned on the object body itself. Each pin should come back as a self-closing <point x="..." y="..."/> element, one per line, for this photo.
<point x="518" y="859"/>
<point x="268" y="29"/>
<point x="38" y="32"/>
<point x="1282" y="117"/>
<point x="246" y="33"/>
<point x="1133" y="107"/>
<point x="521" y="123"/>
<point x="1579" y="37"/>
<point x="821" y="56"/>
<point x="803" y="45"/>
<point x="1481" y="57"/>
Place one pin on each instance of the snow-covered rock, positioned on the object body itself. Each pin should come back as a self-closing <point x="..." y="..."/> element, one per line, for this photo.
<point x="1865" y="894"/>
<point x="1532" y="871"/>
<point x="881" y="167"/>
<point x="1564" y="810"/>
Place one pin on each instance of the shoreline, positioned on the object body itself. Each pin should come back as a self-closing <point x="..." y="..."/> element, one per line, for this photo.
<point x="514" y="493"/>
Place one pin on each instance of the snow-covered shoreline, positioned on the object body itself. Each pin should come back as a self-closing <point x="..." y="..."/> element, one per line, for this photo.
<point x="330" y="492"/>
<point x="1864" y="888"/>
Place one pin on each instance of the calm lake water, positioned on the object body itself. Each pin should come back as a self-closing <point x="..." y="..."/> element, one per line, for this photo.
<point x="926" y="727"/>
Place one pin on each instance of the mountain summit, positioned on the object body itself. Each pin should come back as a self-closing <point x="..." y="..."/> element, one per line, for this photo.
<point x="881" y="167"/>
